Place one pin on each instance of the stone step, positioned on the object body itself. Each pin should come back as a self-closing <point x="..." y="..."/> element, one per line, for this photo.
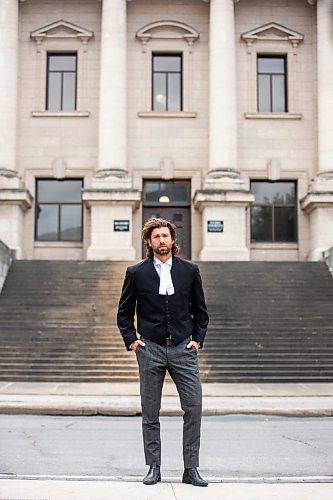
<point x="269" y="322"/>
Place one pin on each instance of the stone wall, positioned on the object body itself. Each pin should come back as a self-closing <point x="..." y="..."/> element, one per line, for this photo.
<point x="328" y="255"/>
<point x="5" y="262"/>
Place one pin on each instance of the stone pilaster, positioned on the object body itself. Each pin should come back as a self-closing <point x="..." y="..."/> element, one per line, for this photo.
<point x="224" y="197"/>
<point x="318" y="203"/>
<point x="111" y="197"/>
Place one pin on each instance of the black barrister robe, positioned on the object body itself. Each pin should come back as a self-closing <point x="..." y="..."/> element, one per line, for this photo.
<point x="181" y="315"/>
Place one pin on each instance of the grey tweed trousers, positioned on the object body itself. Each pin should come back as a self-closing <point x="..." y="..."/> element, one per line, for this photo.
<point x="182" y="364"/>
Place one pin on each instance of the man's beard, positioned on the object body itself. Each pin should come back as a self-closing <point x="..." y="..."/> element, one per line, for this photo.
<point x="162" y="250"/>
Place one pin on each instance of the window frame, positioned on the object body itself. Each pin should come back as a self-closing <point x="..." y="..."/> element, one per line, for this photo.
<point x="274" y="206"/>
<point x="172" y="183"/>
<point x="59" y="205"/>
<point x="48" y="71"/>
<point x="285" y="86"/>
<point x="181" y="73"/>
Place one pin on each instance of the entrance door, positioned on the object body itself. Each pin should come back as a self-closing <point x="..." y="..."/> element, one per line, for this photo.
<point x="170" y="200"/>
<point x="180" y="217"/>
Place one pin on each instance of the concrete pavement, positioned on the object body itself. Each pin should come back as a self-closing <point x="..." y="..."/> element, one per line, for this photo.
<point x="301" y="399"/>
<point x="285" y="399"/>
<point x="113" y="489"/>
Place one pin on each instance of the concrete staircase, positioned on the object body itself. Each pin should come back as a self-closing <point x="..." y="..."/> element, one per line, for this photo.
<point x="269" y="322"/>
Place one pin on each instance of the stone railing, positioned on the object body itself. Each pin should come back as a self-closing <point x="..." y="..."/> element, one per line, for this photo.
<point x="6" y="258"/>
<point x="328" y="256"/>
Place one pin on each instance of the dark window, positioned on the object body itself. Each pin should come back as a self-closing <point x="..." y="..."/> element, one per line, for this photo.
<point x="274" y="212"/>
<point x="168" y="192"/>
<point x="61" y="82"/>
<point x="59" y="210"/>
<point x="272" y="84"/>
<point x="167" y="82"/>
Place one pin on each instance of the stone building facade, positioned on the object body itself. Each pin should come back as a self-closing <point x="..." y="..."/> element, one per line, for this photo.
<point x="215" y="114"/>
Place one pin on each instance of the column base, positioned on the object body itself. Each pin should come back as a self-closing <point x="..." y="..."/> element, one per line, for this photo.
<point x="15" y="200"/>
<point x="111" y="201"/>
<point x="224" y="224"/>
<point x="318" y="204"/>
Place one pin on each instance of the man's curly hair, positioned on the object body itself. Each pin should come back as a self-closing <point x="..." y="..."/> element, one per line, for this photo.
<point x="149" y="227"/>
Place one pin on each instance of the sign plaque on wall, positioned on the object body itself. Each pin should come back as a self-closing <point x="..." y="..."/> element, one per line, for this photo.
<point x="215" y="226"/>
<point x="121" y="225"/>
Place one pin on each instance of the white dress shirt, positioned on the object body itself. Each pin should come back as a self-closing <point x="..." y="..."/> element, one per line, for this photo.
<point x="164" y="271"/>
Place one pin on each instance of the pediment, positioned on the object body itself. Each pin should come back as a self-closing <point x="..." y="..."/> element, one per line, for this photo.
<point x="167" y="30"/>
<point x="273" y="32"/>
<point x="61" y="29"/>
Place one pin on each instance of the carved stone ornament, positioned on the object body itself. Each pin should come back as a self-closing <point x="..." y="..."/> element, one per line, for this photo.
<point x="167" y="30"/>
<point x="272" y="32"/>
<point x="61" y="30"/>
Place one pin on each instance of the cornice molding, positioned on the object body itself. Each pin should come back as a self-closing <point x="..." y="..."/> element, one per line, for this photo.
<point x="167" y="30"/>
<point x="61" y="29"/>
<point x="272" y="32"/>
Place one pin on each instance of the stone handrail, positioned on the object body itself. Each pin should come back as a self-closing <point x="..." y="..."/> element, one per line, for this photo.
<point x="328" y="256"/>
<point x="6" y="258"/>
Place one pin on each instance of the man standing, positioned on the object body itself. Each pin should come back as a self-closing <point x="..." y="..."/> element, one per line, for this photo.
<point x="166" y="294"/>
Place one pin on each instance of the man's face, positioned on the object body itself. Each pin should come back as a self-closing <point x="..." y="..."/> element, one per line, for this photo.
<point x="161" y="241"/>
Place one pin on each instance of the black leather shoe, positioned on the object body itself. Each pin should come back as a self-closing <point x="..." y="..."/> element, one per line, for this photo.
<point x="153" y="476"/>
<point x="192" y="476"/>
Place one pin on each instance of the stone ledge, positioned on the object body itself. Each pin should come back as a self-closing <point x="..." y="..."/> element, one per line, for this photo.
<point x="20" y="197"/>
<point x="167" y="114"/>
<point x="273" y="116"/>
<point x="315" y="199"/>
<point x="229" y="197"/>
<point x="59" y="114"/>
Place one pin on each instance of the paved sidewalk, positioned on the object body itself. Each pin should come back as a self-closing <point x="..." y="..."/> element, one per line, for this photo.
<point x="57" y="489"/>
<point x="287" y="399"/>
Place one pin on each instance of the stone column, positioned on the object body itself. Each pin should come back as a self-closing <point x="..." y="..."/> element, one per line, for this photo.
<point x="8" y="82"/>
<point x="112" y="103"/>
<point x="111" y="197"/>
<point x="222" y="87"/>
<point x="224" y="197"/>
<point x="318" y="203"/>
<point x="325" y="85"/>
<point x="14" y="199"/>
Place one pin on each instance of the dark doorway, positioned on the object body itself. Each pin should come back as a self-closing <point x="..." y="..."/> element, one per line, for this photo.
<point x="170" y="200"/>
